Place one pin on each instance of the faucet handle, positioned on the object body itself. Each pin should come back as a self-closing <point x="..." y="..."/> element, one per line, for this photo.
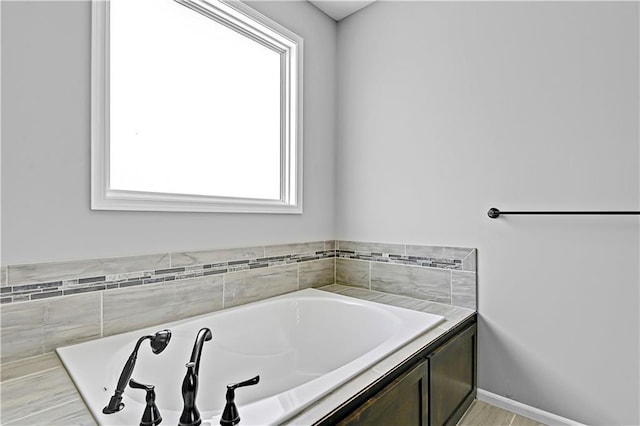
<point x="137" y="385"/>
<point x="250" y="382"/>
<point x="230" y="415"/>
<point x="151" y="415"/>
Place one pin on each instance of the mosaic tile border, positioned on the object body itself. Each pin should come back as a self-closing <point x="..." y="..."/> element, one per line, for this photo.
<point x="454" y="258"/>
<point x="402" y="259"/>
<point x="37" y="291"/>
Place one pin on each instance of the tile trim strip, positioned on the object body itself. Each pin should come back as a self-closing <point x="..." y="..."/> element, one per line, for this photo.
<point x="429" y="262"/>
<point x="441" y="257"/>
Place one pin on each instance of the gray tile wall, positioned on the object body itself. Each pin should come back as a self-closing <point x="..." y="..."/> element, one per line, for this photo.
<point x="248" y="286"/>
<point x="464" y="289"/>
<point x="137" y="307"/>
<point x="215" y="256"/>
<point x="440" y="274"/>
<point x="40" y="326"/>
<point x="353" y="272"/>
<point x="316" y="273"/>
<point x="422" y="283"/>
<point x="88" y="299"/>
<point x="457" y="258"/>
<point x="56" y="304"/>
<point x="44" y="280"/>
<point x="87" y="268"/>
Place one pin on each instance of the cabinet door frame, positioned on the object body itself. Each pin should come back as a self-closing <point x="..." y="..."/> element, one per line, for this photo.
<point x="456" y="414"/>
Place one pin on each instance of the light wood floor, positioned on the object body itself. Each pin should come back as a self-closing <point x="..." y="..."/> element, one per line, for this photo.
<point x="482" y="414"/>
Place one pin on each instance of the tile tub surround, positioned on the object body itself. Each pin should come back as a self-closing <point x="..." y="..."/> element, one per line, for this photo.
<point x="128" y="301"/>
<point x="42" y="280"/>
<point x="25" y="401"/>
<point x="440" y="274"/>
<point x="56" y="304"/>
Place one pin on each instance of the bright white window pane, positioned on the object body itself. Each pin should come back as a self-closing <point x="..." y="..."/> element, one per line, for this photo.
<point x="195" y="106"/>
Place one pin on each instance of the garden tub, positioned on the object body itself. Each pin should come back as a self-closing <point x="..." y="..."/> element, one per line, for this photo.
<point x="302" y="345"/>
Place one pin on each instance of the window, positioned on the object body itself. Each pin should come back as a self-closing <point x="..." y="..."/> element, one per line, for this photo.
<point x="196" y="107"/>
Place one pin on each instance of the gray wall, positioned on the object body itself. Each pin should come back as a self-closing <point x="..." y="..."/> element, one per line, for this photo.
<point x="46" y="146"/>
<point x="447" y="109"/>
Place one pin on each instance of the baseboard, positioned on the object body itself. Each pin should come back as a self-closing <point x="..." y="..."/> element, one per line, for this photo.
<point x="524" y="410"/>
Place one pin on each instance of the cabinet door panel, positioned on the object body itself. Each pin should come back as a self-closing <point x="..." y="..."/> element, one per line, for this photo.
<point x="403" y="402"/>
<point x="451" y="377"/>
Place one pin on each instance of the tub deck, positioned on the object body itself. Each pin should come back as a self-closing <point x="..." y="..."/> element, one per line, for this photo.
<point x="38" y="390"/>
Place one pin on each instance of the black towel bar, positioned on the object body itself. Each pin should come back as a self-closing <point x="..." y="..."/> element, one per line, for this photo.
<point x="494" y="213"/>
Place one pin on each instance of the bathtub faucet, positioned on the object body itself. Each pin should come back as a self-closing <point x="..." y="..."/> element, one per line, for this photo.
<point x="190" y="415"/>
<point x="159" y="342"/>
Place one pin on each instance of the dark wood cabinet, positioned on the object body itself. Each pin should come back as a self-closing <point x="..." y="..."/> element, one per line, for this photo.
<point x="434" y="388"/>
<point x="452" y="378"/>
<point x="403" y="402"/>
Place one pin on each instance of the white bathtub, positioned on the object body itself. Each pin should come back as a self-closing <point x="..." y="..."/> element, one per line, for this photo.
<point x="302" y="344"/>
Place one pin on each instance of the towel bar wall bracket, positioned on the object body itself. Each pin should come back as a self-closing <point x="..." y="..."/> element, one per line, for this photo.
<point x="495" y="213"/>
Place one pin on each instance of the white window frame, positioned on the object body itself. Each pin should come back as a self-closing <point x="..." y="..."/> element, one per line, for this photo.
<point x="250" y="23"/>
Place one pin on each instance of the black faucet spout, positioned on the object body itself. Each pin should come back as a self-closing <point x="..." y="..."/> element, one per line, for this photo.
<point x="204" y="335"/>
<point x="190" y="415"/>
